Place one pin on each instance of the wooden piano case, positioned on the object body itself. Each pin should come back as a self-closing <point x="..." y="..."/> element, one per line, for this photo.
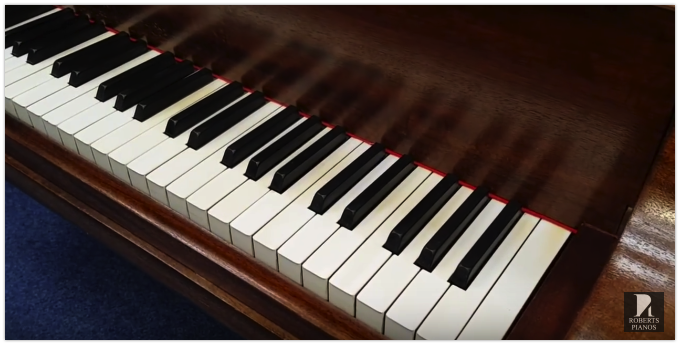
<point x="562" y="108"/>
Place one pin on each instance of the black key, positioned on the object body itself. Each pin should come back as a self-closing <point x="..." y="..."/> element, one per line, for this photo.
<point x="363" y="204"/>
<point x="172" y="94"/>
<point x="21" y="47"/>
<point x="347" y="178"/>
<point x="161" y="79"/>
<point x="37" y="27"/>
<point x="97" y="51"/>
<point x="282" y="148"/>
<point x="201" y="110"/>
<point x="45" y="50"/>
<point x="15" y="14"/>
<point x="226" y="119"/>
<point x="299" y="166"/>
<point x="486" y="245"/>
<point x="134" y="76"/>
<point x="450" y="232"/>
<point x="255" y="139"/>
<point x="87" y="72"/>
<point x="415" y="221"/>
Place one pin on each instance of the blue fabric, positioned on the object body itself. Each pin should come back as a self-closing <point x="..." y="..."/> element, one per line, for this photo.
<point x="62" y="284"/>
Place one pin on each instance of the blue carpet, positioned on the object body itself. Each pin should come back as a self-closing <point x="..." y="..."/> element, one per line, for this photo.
<point x="62" y="284"/>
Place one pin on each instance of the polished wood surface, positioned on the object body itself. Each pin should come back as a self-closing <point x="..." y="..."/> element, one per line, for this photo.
<point x="559" y="107"/>
<point x="644" y="260"/>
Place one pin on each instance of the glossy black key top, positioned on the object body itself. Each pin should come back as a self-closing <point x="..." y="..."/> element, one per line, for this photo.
<point x="299" y="166"/>
<point x="282" y="148"/>
<point x="15" y="14"/>
<point x="486" y="245"/>
<point x="45" y="50"/>
<point x="134" y="76"/>
<point x="255" y="139"/>
<point x="450" y="232"/>
<point x="363" y="204"/>
<point x="66" y="64"/>
<point x="201" y="110"/>
<point x="87" y="72"/>
<point x="327" y="195"/>
<point x="407" y="229"/>
<point x="128" y="98"/>
<point x="226" y="119"/>
<point x="23" y="46"/>
<point x="38" y="27"/>
<point x="171" y="94"/>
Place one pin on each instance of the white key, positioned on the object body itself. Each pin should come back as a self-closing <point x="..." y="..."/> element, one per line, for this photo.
<point x="15" y="62"/>
<point x="318" y="269"/>
<point x="136" y="138"/>
<point x="8" y="52"/>
<point x="224" y="212"/>
<point x="256" y="216"/>
<point x="28" y="98"/>
<point x="87" y="136"/>
<point x="24" y="85"/>
<point x="112" y="141"/>
<point x="53" y="119"/>
<point x="183" y="162"/>
<point x="162" y="149"/>
<point x="219" y="186"/>
<point x="202" y="173"/>
<point x="30" y="20"/>
<point x="302" y="245"/>
<point x="454" y="310"/>
<point x="507" y="297"/>
<point x="46" y="65"/>
<point x="417" y="300"/>
<point x="391" y="279"/>
<point x="272" y="236"/>
<point x="346" y="283"/>
<point x="49" y="103"/>
<point x="67" y="130"/>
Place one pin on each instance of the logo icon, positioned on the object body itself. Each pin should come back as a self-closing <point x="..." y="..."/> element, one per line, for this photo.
<point x="643" y="311"/>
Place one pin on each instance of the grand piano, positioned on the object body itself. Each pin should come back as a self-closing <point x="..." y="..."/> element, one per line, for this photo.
<point x="357" y="172"/>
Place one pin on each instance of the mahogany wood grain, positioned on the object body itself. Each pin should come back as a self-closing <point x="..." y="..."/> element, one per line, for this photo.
<point x="559" y="107"/>
<point x="644" y="260"/>
<point x="262" y="290"/>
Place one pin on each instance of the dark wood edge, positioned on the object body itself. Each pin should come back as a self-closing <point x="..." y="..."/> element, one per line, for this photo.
<point x="161" y="267"/>
<point x="260" y="288"/>
<point x="564" y="290"/>
<point x="670" y="126"/>
<point x="668" y="7"/>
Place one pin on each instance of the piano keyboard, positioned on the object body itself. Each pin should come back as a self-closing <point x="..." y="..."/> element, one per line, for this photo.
<point x="411" y="252"/>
